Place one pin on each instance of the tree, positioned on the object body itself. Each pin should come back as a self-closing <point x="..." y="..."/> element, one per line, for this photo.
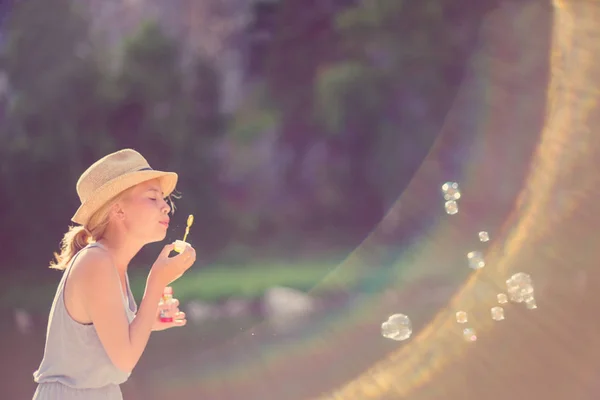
<point x="384" y="101"/>
<point x="54" y="110"/>
<point x="147" y="94"/>
<point x="172" y="116"/>
<point x="302" y="43"/>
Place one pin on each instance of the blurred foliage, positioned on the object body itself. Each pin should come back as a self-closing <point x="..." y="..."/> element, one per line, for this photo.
<point x="346" y="86"/>
<point x="256" y="115"/>
<point x="50" y="123"/>
<point x="66" y="109"/>
<point x="348" y="93"/>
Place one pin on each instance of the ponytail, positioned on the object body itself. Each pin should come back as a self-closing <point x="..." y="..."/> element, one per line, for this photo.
<point x="76" y="238"/>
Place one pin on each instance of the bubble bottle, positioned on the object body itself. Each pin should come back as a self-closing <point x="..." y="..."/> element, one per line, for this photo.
<point x="165" y="305"/>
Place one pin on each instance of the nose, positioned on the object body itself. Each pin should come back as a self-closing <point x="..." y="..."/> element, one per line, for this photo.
<point x="166" y="208"/>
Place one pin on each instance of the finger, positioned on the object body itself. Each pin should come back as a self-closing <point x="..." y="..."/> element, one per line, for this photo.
<point x="191" y="258"/>
<point x="166" y="250"/>
<point x="184" y="255"/>
<point x="179" y="315"/>
<point x="176" y="322"/>
<point x="189" y="251"/>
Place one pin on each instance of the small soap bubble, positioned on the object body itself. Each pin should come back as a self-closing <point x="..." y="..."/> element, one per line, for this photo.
<point x="519" y="286"/>
<point x="469" y="334"/>
<point x="502" y="298"/>
<point x="476" y="260"/>
<point x="497" y="313"/>
<point x="461" y="317"/>
<point x="451" y="191"/>
<point x="451" y="207"/>
<point x="484" y="236"/>
<point x="397" y="327"/>
<point x="530" y="302"/>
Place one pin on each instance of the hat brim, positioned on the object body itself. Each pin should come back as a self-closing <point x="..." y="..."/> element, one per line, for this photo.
<point x="168" y="181"/>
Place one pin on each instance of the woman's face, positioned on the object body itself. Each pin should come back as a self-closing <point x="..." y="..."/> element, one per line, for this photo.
<point x="145" y="212"/>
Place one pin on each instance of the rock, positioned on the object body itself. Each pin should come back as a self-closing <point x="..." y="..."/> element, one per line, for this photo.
<point x="198" y="311"/>
<point x="286" y="308"/>
<point x="236" y="308"/>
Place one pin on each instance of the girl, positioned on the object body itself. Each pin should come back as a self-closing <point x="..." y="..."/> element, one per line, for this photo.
<point x="96" y="334"/>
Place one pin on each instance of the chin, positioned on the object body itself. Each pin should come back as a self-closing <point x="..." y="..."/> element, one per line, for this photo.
<point x="161" y="236"/>
<point x="158" y="237"/>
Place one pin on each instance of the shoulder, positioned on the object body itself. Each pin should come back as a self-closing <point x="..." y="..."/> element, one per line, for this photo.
<point x="92" y="267"/>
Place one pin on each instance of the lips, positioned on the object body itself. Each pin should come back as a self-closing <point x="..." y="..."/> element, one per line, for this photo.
<point x="165" y="223"/>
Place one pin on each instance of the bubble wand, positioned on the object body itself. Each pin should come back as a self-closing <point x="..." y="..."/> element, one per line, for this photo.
<point x="180" y="244"/>
<point x="190" y="221"/>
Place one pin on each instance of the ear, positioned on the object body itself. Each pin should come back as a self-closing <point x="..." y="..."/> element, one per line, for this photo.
<point x="117" y="211"/>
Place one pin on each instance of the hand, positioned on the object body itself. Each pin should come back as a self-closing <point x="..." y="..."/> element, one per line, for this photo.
<point x="178" y="317"/>
<point x="168" y="269"/>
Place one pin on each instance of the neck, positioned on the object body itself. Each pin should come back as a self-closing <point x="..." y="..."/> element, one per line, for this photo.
<point x="121" y="247"/>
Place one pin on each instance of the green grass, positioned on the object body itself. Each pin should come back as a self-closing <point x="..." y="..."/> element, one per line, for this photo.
<point x="253" y="281"/>
<point x="209" y="284"/>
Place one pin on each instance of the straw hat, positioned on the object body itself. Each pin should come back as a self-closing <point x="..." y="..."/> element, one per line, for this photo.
<point x="113" y="174"/>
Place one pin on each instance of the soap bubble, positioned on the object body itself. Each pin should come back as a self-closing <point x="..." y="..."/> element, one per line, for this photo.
<point x="451" y="207"/>
<point x="451" y="191"/>
<point x="484" y="236"/>
<point x="461" y="317"/>
<point x="519" y="287"/>
<point x="530" y="302"/>
<point x="497" y="313"/>
<point x="397" y="327"/>
<point x="469" y="334"/>
<point x="476" y="260"/>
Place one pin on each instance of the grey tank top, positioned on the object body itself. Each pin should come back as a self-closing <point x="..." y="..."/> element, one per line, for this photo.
<point x="73" y="354"/>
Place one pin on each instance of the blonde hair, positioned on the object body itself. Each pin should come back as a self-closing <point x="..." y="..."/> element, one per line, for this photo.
<point x="77" y="237"/>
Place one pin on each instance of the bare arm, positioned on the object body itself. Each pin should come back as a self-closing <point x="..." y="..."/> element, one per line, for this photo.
<point x="124" y="343"/>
